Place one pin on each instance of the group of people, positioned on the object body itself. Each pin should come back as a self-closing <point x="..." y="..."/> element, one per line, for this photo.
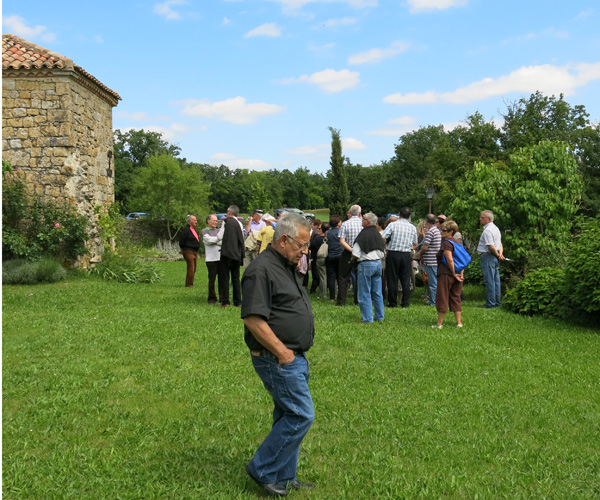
<point x="276" y="307"/>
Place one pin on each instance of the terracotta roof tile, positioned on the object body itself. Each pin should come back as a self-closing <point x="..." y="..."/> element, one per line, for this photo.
<point x="18" y="53"/>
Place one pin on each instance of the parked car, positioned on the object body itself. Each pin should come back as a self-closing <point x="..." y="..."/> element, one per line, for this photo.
<point x="136" y="215"/>
<point x="279" y="211"/>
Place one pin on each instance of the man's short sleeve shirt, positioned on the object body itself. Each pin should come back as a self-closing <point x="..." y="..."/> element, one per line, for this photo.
<point x="272" y="290"/>
<point x="403" y="236"/>
<point x="350" y="229"/>
<point x="490" y="236"/>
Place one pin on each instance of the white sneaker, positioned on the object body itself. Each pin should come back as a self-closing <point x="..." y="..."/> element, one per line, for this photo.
<point x="436" y="326"/>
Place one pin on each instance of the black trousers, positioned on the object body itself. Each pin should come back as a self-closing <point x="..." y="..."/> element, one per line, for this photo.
<point x="315" y="276"/>
<point x="398" y="265"/>
<point x="332" y="265"/>
<point x="213" y="272"/>
<point x="230" y="267"/>
<point x="346" y="272"/>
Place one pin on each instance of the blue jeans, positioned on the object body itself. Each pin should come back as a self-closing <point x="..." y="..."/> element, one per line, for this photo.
<point x="369" y="288"/>
<point x="276" y="459"/>
<point x="432" y="279"/>
<point x="490" y="267"/>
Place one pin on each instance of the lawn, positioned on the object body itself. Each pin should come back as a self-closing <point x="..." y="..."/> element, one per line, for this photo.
<point x="114" y="391"/>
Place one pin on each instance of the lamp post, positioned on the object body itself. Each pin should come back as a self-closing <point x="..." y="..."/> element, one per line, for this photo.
<point x="429" y="192"/>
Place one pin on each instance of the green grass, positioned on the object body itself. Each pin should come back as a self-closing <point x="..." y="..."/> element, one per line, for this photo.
<point x="115" y="391"/>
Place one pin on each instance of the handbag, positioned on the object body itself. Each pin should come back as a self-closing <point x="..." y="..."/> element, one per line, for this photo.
<point x="460" y="255"/>
<point x="323" y="250"/>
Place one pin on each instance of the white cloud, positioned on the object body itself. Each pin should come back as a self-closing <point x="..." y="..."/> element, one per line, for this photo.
<point x="327" y="46"/>
<point x="425" y="5"/>
<point x="226" y="21"/>
<point x="164" y="9"/>
<point x="550" y="32"/>
<point x="329" y="80"/>
<point x="545" y="78"/>
<point x="16" y="25"/>
<point x="401" y="126"/>
<point x="169" y="133"/>
<point x="267" y="29"/>
<point x="344" y="21"/>
<point x="234" y="110"/>
<point x="291" y="5"/>
<point x="233" y="162"/>
<point x="584" y="14"/>
<point x="376" y="55"/>
<point x="308" y="150"/>
<point x="99" y="39"/>
<point x="349" y="143"/>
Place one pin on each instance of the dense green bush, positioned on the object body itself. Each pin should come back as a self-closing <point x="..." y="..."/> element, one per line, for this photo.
<point x="127" y="269"/>
<point x="583" y="267"/>
<point x="24" y="272"/>
<point x="33" y="227"/>
<point x="540" y="292"/>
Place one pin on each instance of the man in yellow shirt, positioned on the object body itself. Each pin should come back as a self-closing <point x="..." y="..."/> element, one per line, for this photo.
<point x="265" y="235"/>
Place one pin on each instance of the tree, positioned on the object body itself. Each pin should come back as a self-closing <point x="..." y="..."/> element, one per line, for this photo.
<point x="169" y="192"/>
<point x="534" y="196"/>
<point x="549" y="118"/>
<point x="339" y="196"/>
<point x="132" y="150"/>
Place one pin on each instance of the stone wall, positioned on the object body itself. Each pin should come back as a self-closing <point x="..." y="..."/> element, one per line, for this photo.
<point x="56" y="133"/>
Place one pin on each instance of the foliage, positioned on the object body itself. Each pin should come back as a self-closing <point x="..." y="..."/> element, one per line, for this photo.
<point x="33" y="227"/>
<point x="170" y="192"/>
<point x="338" y="181"/>
<point x="539" y="118"/>
<point x="24" y="272"/>
<point x="534" y="196"/>
<point x="583" y="267"/>
<point x="132" y="151"/>
<point x="166" y="249"/>
<point x="110" y="224"/>
<point x="540" y="292"/>
<point x="127" y="269"/>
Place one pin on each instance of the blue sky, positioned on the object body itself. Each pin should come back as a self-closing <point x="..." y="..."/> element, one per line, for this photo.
<point x="256" y="83"/>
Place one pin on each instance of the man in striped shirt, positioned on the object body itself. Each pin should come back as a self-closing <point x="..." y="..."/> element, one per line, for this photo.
<point x="431" y="246"/>
<point x="402" y="240"/>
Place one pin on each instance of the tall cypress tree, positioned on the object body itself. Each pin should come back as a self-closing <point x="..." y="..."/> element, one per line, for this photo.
<point x="338" y="180"/>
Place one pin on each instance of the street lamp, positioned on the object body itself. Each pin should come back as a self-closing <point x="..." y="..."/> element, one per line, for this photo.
<point x="429" y="192"/>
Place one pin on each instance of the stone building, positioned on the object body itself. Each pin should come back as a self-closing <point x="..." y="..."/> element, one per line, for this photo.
<point x="57" y="129"/>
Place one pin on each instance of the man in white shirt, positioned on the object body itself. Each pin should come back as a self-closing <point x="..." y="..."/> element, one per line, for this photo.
<point x="490" y="251"/>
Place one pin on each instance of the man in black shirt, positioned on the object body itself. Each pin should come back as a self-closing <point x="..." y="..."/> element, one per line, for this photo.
<point x="279" y="329"/>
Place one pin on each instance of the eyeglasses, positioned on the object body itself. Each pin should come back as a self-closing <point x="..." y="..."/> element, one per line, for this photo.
<point x="302" y="246"/>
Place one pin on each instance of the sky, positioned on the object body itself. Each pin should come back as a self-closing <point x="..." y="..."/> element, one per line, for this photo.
<point x="256" y="84"/>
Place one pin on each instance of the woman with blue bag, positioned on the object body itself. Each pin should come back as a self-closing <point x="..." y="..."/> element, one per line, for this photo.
<point x="451" y="259"/>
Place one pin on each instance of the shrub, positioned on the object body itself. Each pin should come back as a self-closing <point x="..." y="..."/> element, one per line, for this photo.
<point x="50" y="271"/>
<point x="24" y="272"/>
<point x="168" y="250"/>
<point x="126" y="269"/>
<point x="32" y="227"/>
<point x="540" y="292"/>
<point x="583" y="268"/>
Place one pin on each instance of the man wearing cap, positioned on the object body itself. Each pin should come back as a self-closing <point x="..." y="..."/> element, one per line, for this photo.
<point x="265" y="235"/>
<point x="255" y="223"/>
